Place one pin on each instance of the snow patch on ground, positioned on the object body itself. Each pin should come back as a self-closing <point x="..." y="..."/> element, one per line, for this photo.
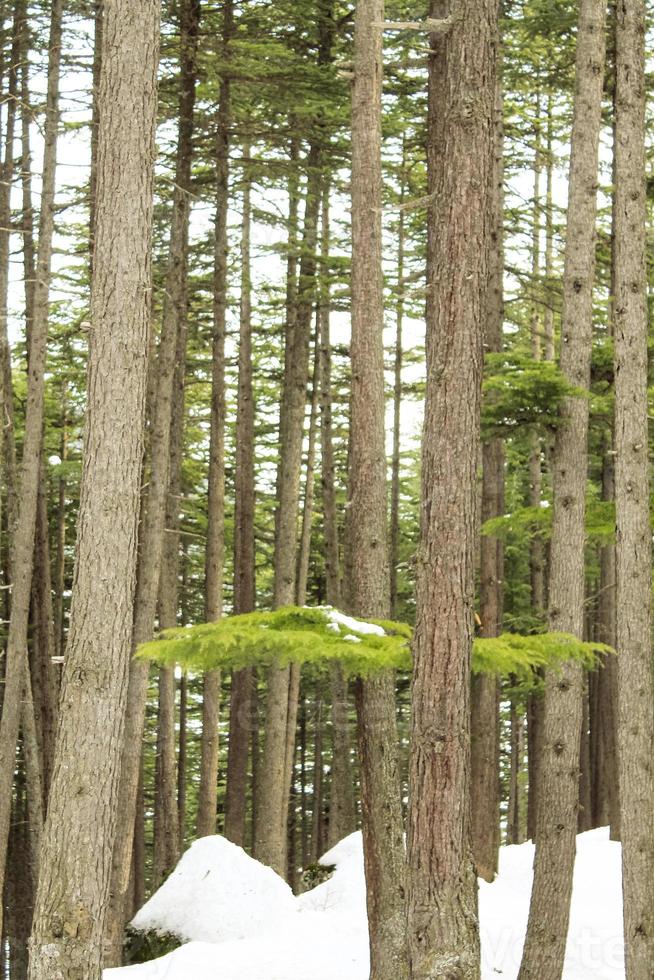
<point x="322" y="935"/>
<point x="217" y="893"/>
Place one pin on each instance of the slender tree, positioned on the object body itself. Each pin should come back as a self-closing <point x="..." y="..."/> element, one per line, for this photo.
<point x="17" y="680"/>
<point x="556" y="823"/>
<point x="342" y="806"/>
<point x="443" y="929"/>
<point x="632" y="486"/>
<point x="152" y="527"/>
<point x="74" y="883"/>
<point x="166" y="835"/>
<point x="282" y="683"/>
<point x="485" y="689"/>
<point x="368" y="544"/>
<point x="244" y="546"/>
<point x="215" y="550"/>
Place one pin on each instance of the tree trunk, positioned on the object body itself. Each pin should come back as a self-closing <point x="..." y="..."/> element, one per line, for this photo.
<point x="79" y="833"/>
<point x="537" y="544"/>
<point x="152" y="528"/>
<point x="585" y="815"/>
<point x="283" y="683"/>
<point x="368" y="545"/>
<point x="397" y="394"/>
<point x="304" y="552"/>
<point x="443" y="926"/>
<point x="556" y="823"/>
<point x="182" y="755"/>
<point x="166" y="836"/>
<point x="342" y="806"/>
<point x="485" y="707"/>
<point x="17" y="668"/>
<point x="215" y="551"/>
<point x="513" y="817"/>
<point x="240" y="715"/>
<point x="634" y="664"/>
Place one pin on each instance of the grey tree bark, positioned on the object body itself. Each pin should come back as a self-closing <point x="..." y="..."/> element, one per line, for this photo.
<point x="443" y="928"/>
<point x="166" y="835"/>
<point x="632" y="486"/>
<point x="368" y="542"/>
<point x="17" y="679"/>
<point x="342" y="805"/>
<point x="485" y="713"/>
<point x="73" y="890"/>
<point x="556" y="823"/>
<point x="215" y="549"/>
<point x="243" y="689"/>
<point x="151" y="537"/>
<point x="282" y="684"/>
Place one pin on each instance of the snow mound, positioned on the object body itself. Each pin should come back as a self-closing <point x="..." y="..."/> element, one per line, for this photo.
<point x="346" y="889"/>
<point x="323" y="934"/>
<point x="216" y="893"/>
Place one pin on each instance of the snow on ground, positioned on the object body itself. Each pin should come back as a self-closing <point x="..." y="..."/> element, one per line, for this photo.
<point x="217" y="893"/>
<point x="251" y="928"/>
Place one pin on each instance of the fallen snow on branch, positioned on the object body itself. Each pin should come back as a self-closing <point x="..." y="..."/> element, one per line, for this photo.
<point x="247" y="925"/>
<point x="337" y="619"/>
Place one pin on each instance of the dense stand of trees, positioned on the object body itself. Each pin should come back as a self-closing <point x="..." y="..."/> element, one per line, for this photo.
<point x="248" y="251"/>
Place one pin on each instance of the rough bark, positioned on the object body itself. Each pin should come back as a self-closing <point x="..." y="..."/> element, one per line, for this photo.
<point x="152" y="528"/>
<point x="17" y="680"/>
<point x="368" y="545"/>
<point x="215" y="548"/>
<point x="342" y="806"/>
<point x="485" y="713"/>
<point x="443" y="928"/>
<point x="635" y="728"/>
<point x="74" y="883"/>
<point x="304" y="549"/>
<point x="536" y="544"/>
<point x="397" y="394"/>
<point x="166" y="836"/>
<point x="283" y="683"/>
<point x="240" y="720"/>
<point x="556" y="823"/>
<point x="514" y="814"/>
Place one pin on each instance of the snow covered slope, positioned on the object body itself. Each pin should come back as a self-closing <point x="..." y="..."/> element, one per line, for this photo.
<point x="249" y="927"/>
<point x="216" y="893"/>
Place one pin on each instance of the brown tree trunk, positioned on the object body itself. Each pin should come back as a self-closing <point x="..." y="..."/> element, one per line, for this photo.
<point x="283" y="683"/>
<point x="304" y="550"/>
<point x="443" y="928"/>
<point x="182" y="756"/>
<point x="166" y="833"/>
<point x="635" y="728"/>
<point x="240" y="714"/>
<point x="514" y="814"/>
<point x="485" y="713"/>
<point x="78" y="837"/>
<point x="536" y="544"/>
<point x="368" y="545"/>
<point x="585" y="815"/>
<point x="215" y="550"/>
<point x="556" y="823"/>
<point x="317" y="801"/>
<point x="342" y="806"/>
<point x="397" y="395"/>
<point x="152" y="530"/>
<point x="17" y="678"/>
<point x="20" y="883"/>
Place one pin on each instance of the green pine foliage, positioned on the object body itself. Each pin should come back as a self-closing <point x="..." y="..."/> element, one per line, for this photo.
<point x="308" y="636"/>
